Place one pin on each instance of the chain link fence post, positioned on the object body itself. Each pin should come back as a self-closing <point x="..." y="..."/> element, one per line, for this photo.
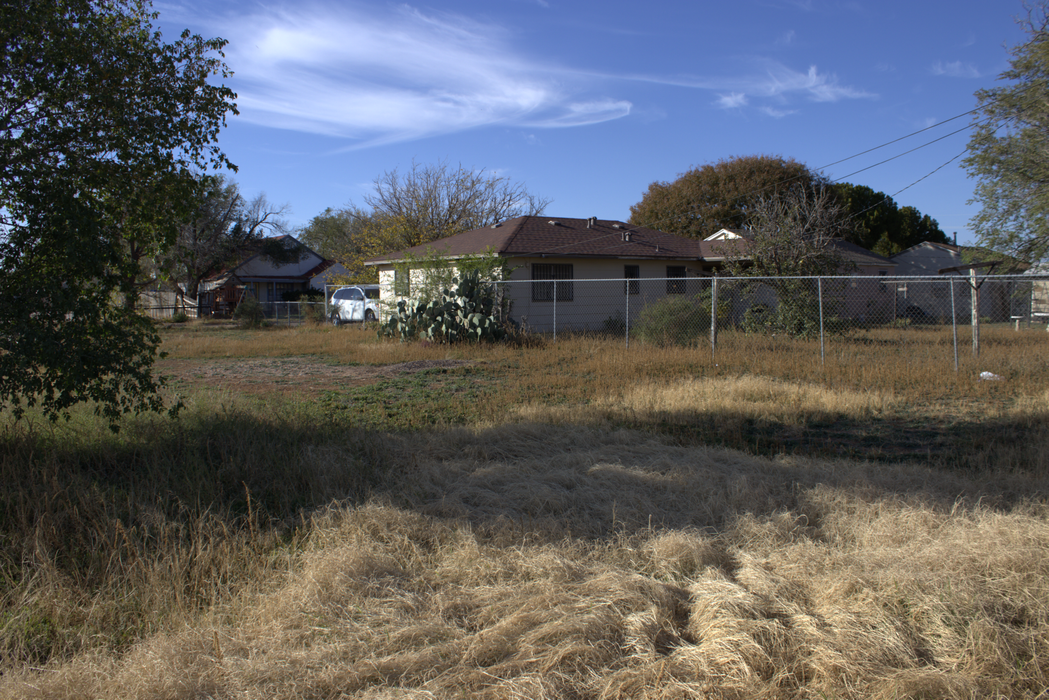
<point x="819" y="293"/>
<point x="954" y="327"/>
<point x="713" y="316"/>
<point x="555" y="311"/>
<point x="626" y="318"/>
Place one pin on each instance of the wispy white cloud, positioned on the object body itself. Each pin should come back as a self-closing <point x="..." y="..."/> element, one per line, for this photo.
<point x="733" y="100"/>
<point x="769" y="80"/>
<point x="778" y="113"/>
<point x="584" y="113"/>
<point x="393" y="76"/>
<point x="786" y="39"/>
<point x="955" y="69"/>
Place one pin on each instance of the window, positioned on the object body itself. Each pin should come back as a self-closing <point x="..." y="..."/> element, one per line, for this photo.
<point x="631" y="272"/>
<point x="402" y="283"/>
<point x="543" y="290"/>
<point x="675" y="279"/>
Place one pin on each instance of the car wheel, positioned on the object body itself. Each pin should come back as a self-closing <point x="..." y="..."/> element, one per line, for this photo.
<point x="335" y="319"/>
<point x="369" y="315"/>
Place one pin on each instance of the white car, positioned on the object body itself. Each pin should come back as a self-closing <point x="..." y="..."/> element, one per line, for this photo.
<point x="358" y="303"/>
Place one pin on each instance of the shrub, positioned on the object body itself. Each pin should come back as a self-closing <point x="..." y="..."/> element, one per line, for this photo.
<point x="250" y="313"/>
<point x="179" y="317"/>
<point x="676" y="320"/>
<point x="615" y="324"/>
<point x="795" y="313"/>
<point x="313" y="313"/>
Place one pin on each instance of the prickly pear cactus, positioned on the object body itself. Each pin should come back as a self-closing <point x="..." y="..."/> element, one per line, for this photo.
<point x="463" y="314"/>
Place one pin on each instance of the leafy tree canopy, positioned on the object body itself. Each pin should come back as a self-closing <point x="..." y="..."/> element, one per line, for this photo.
<point x="1009" y="149"/>
<point x="875" y="222"/>
<point x="726" y="194"/>
<point x="720" y="195"/>
<point x="102" y="125"/>
<point x="222" y="229"/>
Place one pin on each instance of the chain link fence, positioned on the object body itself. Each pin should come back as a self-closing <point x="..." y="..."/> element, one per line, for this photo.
<point x="289" y="313"/>
<point x="700" y="311"/>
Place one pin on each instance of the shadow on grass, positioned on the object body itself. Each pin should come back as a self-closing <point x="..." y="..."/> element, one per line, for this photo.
<point x="589" y="482"/>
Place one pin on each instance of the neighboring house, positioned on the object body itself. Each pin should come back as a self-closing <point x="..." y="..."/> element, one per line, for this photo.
<point x="550" y="252"/>
<point x="855" y="298"/>
<point x="259" y="277"/>
<point x="924" y="300"/>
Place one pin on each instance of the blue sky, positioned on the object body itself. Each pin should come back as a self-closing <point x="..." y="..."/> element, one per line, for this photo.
<point x="587" y="103"/>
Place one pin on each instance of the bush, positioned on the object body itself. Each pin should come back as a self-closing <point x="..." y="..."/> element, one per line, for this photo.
<point x="314" y="313"/>
<point x="615" y="325"/>
<point x="676" y="320"/>
<point x="250" y="313"/>
<point x="795" y="313"/>
<point x="179" y="317"/>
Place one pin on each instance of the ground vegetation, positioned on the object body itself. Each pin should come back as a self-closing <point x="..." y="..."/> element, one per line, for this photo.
<point x="335" y="514"/>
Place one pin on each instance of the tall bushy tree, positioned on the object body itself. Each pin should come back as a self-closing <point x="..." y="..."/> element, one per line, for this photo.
<point x="430" y="202"/>
<point x="102" y="124"/>
<point x="720" y="195"/>
<point x="424" y="204"/>
<point x="877" y="223"/>
<point x="791" y="234"/>
<point x="347" y="235"/>
<point x="223" y="228"/>
<point x="1009" y="149"/>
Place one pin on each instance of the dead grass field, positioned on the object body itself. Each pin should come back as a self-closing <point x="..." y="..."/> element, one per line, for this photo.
<point x="570" y="520"/>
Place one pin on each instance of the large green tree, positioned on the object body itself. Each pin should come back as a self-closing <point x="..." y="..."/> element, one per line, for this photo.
<point x="875" y="222"/>
<point x="347" y="235"/>
<point x="103" y="124"/>
<point x="222" y="230"/>
<point x="1009" y="149"/>
<point x="720" y="195"/>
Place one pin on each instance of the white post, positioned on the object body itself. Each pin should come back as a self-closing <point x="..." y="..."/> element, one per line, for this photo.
<point x="976" y="311"/>
<point x="626" y="319"/>
<point x="713" y="315"/>
<point x="954" y="327"/>
<point x="819" y="292"/>
<point x="555" y="311"/>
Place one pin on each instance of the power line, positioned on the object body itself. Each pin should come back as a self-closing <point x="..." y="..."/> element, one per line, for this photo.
<point x="914" y="133"/>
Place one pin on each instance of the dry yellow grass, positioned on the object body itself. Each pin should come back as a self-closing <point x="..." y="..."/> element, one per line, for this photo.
<point x="761" y="399"/>
<point x="546" y="551"/>
<point x="534" y="561"/>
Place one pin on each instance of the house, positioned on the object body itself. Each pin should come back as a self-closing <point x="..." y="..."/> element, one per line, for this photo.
<point x="267" y="281"/>
<point x="855" y="298"/>
<point x="637" y="266"/>
<point x="931" y="300"/>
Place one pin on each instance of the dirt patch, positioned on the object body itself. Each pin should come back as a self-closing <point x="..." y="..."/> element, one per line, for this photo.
<point x="298" y="375"/>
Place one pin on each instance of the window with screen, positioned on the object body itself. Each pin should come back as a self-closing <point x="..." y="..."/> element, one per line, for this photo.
<point x="675" y="279"/>
<point x="631" y="273"/>
<point x="543" y="286"/>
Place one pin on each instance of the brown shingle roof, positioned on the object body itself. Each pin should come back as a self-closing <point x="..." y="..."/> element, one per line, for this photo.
<point x="530" y="236"/>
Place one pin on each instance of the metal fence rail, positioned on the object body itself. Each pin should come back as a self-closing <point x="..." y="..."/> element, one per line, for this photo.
<point x="278" y="312"/>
